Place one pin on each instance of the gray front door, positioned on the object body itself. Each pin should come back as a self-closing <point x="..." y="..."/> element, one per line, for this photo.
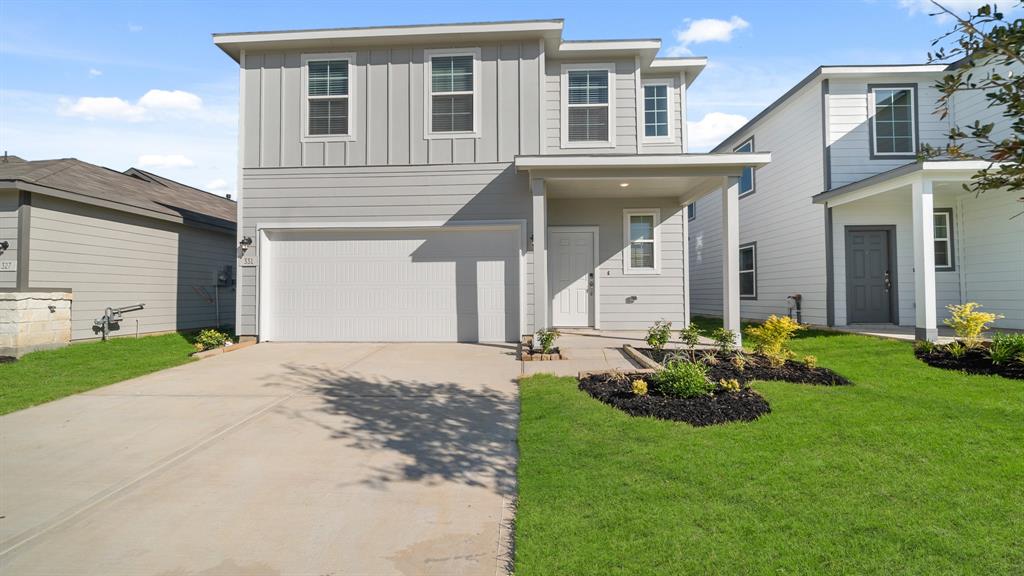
<point x="869" y="275"/>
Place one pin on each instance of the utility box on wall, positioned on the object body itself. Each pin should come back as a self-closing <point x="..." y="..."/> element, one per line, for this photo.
<point x="34" y="320"/>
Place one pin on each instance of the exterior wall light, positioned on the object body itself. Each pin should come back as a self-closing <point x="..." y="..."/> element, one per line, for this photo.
<point x="624" y="185"/>
<point x="245" y="243"/>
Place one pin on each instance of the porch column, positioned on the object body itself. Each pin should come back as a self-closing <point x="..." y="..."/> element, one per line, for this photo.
<point x="923" y="204"/>
<point x="686" y="265"/>
<point x="540" y="254"/>
<point x="731" y="256"/>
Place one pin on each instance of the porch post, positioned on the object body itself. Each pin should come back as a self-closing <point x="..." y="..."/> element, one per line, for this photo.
<point x="923" y="204"/>
<point x="686" y="265"/>
<point x="731" y="256"/>
<point x="540" y="255"/>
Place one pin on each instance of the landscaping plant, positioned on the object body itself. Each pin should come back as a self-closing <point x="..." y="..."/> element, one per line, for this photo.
<point x="956" y="349"/>
<point x="739" y="361"/>
<point x="690" y="337"/>
<point x="546" y="338"/>
<point x="639" y="387"/>
<point x="683" y="380"/>
<point x="730" y="384"/>
<point x="725" y="340"/>
<point x="659" y="335"/>
<point x="968" y="322"/>
<point x="209" y="339"/>
<point x="1006" y="348"/>
<point x="772" y="338"/>
<point x="811" y="361"/>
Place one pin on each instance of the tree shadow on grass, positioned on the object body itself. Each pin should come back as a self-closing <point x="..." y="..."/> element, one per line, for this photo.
<point x="443" y="431"/>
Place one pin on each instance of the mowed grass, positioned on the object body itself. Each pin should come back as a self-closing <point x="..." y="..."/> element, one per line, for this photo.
<point x="44" y="376"/>
<point x="913" y="470"/>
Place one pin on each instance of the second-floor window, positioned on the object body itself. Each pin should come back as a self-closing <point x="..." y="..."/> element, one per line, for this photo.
<point x="328" y="104"/>
<point x="657" y="119"/>
<point x="747" y="178"/>
<point x="892" y="121"/>
<point x="589" y="105"/>
<point x="453" y="97"/>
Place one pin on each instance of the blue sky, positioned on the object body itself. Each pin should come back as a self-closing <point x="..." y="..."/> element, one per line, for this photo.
<point x="140" y="83"/>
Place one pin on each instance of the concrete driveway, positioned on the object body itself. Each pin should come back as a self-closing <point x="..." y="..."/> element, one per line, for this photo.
<point x="309" y="459"/>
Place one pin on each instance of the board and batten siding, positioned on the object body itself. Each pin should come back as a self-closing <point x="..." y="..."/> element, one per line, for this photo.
<point x="779" y="216"/>
<point x="625" y="119"/>
<point x="9" y="232"/>
<point x="390" y="105"/>
<point x="633" y="301"/>
<point x="385" y="194"/>
<point x="115" y="259"/>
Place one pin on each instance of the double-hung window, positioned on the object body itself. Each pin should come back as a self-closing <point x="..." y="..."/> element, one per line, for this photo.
<point x="453" y="99"/>
<point x="747" y="178"/>
<point x="589" y="97"/>
<point x="657" y="111"/>
<point x="329" y="86"/>
<point x="641" y="231"/>
<point x="893" y="129"/>
<point x="943" y="228"/>
<point x="748" y="271"/>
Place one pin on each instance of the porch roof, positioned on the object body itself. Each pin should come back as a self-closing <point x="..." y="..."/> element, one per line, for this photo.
<point x="934" y="170"/>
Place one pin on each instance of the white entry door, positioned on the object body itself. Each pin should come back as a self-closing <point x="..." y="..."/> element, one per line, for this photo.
<point x="571" y="270"/>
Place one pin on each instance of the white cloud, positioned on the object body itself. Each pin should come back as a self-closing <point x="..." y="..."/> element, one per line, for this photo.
<point x="164" y="161"/>
<point x="705" y="30"/>
<point x="135" y="28"/>
<point x="170" y="100"/>
<point x="102" y="107"/>
<point x="926" y="7"/>
<point x="94" y="72"/>
<point x="710" y="130"/>
<point x="217" y="185"/>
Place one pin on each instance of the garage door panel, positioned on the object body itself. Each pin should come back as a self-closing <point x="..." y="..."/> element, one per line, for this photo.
<point x="451" y="285"/>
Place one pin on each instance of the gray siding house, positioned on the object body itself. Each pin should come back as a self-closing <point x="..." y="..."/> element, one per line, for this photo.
<point x="466" y="182"/>
<point x="111" y="239"/>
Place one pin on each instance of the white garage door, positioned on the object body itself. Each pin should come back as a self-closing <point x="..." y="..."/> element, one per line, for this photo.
<point x="390" y="285"/>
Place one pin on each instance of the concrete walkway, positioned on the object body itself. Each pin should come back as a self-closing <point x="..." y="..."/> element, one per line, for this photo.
<point x="589" y="351"/>
<point x="276" y="459"/>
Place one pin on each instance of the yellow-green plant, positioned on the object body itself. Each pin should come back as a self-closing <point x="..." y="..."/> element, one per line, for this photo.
<point x="811" y="361"/>
<point x="956" y="349"/>
<point x="639" y="387"/>
<point x="773" y="336"/>
<point x="730" y="385"/>
<point x="739" y="362"/>
<point x="546" y="338"/>
<point x="968" y="322"/>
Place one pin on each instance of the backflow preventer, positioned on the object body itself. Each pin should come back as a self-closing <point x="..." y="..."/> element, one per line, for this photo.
<point x="111" y="318"/>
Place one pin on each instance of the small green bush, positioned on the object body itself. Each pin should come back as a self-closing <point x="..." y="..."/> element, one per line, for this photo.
<point x="683" y="380"/>
<point x="956" y="349"/>
<point x="546" y="338"/>
<point x="1006" y="348"/>
<point x="725" y="340"/>
<point x="811" y="361"/>
<point x="659" y="335"/>
<point x="773" y="336"/>
<point x="690" y="337"/>
<point x="209" y="339"/>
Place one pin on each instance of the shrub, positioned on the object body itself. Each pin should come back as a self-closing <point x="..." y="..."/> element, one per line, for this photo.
<point x="968" y="322"/>
<point x="546" y="338"/>
<point x="709" y="358"/>
<point x="739" y="362"/>
<point x="924" y="346"/>
<point x="659" y="335"/>
<point x="811" y="361"/>
<point x="730" y="385"/>
<point x="725" y="340"/>
<point x="773" y="336"/>
<point x="639" y="387"/>
<point x="690" y="337"/>
<point x="956" y="350"/>
<point x="683" y="380"/>
<point x="1005" y="348"/>
<point x="209" y="339"/>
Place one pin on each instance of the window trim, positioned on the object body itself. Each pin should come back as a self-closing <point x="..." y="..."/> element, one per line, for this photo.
<point x="669" y="85"/>
<point x="627" y="267"/>
<point x="564" y="106"/>
<point x="428" y="92"/>
<point x="753" y="173"/>
<point x="914" y="123"/>
<point x="753" y="246"/>
<point x="948" y="213"/>
<point x="349" y="57"/>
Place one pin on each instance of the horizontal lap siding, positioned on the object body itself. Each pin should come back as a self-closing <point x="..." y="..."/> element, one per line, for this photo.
<point x="112" y="259"/>
<point x="992" y="254"/>
<point x="656" y="296"/>
<point x="9" y="232"/>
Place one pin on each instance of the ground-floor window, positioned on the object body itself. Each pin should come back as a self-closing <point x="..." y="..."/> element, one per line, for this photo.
<point x="943" y="226"/>
<point x="748" y="270"/>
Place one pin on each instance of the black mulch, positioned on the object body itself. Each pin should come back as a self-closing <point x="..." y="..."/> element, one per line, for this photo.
<point x="974" y="361"/>
<point x="757" y="367"/>
<point x="7" y="359"/>
<point x="720" y="407"/>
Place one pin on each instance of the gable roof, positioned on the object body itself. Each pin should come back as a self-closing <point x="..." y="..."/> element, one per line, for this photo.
<point x="78" y="181"/>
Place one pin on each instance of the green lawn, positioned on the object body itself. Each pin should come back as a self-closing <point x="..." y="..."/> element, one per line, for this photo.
<point x="44" y="376"/>
<point x="914" y="470"/>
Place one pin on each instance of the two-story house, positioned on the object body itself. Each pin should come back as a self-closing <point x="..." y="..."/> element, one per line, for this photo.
<point x="849" y="219"/>
<point x="467" y="182"/>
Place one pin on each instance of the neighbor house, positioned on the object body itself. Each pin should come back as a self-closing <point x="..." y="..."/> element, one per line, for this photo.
<point x="466" y="182"/>
<point x="78" y="238"/>
<point x="849" y="219"/>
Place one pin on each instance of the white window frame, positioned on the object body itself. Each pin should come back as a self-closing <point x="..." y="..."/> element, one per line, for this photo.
<point x="428" y="92"/>
<point x="913" y="121"/>
<point x="753" y="247"/>
<point x="947" y="214"/>
<point x="350" y="57"/>
<point x="564" y="106"/>
<point x="627" y="254"/>
<point x="669" y="88"/>
<point x="753" y="173"/>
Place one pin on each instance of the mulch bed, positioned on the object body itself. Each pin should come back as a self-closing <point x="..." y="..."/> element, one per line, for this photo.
<point x="720" y="407"/>
<point x="757" y="367"/>
<point x="974" y="361"/>
<point x="7" y="359"/>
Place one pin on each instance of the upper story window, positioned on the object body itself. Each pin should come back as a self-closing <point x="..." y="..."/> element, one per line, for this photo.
<point x="657" y="111"/>
<point x="588" y="98"/>
<point x="691" y="210"/>
<point x="641" y="236"/>
<point x="747" y="178"/>
<point x="327" y="107"/>
<point x="943" y="228"/>
<point x="893" y="121"/>
<point x="453" y="100"/>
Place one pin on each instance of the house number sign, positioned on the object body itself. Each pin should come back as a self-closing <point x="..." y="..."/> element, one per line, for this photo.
<point x="8" y="265"/>
<point x="248" y="261"/>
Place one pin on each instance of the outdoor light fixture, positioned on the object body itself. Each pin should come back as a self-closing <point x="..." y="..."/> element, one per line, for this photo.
<point x="4" y="244"/>
<point x="624" y="185"/>
<point x="245" y="243"/>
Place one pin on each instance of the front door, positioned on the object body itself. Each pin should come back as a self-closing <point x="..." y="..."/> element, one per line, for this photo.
<point x="571" y="272"/>
<point x="869" y="275"/>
